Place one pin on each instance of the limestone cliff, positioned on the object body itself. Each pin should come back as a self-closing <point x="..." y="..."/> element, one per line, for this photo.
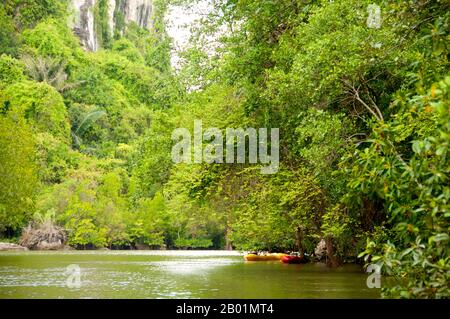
<point x="115" y="13"/>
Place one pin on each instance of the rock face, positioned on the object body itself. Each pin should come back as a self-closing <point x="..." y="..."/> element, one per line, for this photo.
<point x="84" y="23"/>
<point x="44" y="245"/>
<point x="115" y="13"/>
<point x="138" y="11"/>
<point x="9" y="246"/>
<point x="321" y="250"/>
<point x="43" y="236"/>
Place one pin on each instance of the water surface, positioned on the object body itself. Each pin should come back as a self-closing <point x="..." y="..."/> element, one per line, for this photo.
<point x="172" y="274"/>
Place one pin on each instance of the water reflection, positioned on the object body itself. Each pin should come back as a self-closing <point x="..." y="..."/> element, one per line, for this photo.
<point x="172" y="274"/>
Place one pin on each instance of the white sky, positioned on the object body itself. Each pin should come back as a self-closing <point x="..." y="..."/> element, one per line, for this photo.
<point x="179" y="20"/>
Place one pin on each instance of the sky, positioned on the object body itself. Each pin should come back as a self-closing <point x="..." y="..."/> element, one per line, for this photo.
<point x="179" y="20"/>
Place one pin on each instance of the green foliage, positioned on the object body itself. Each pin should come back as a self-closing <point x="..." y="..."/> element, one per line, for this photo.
<point x="49" y="70"/>
<point x="413" y="182"/>
<point x="185" y="243"/>
<point x="363" y="116"/>
<point x="272" y="210"/>
<point x="102" y="24"/>
<point x="153" y="158"/>
<point x="146" y="84"/>
<point x="8" y="37"/>
<point x="55" y="158"/>
<point x="157" y="45"/>
<point x="127" y="49"/>
<point x="51" y="38"/>
<point x="85" y="123"/>
<point x="84" y="233"/>
<point x="90" y="206"/>
<point x="27" y="13"/>
<point x="154" y="45"/>
<point x="320" y="139"/>
<point x="344" y="96"/>
<point x="149" y="222"/>
<point x="18" y="182"/>
<point x="107" y="100"/>
<point x="11" y="70"/>
<point x="40" y="104"/>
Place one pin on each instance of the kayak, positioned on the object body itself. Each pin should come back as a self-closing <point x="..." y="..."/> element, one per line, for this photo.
<point x="268" y="257"/>
<point x="278" y="256"/>
<point x="293" y="259"/>
<point x="253" y="257"/>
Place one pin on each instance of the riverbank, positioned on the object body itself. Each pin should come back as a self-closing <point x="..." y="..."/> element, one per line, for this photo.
<point x="11" y="247"/>
<point x="4" y="246"/>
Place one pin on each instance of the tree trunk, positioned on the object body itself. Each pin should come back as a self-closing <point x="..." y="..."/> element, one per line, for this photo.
<point x="332" y="260"/>
<point x="228" y="244"/>
<point x="298" y="240"/>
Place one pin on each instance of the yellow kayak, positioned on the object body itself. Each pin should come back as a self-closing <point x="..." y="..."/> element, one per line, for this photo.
<point x="268" y="257"/>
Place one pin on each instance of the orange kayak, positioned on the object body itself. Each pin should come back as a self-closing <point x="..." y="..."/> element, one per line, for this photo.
<point x="268" y="257"/>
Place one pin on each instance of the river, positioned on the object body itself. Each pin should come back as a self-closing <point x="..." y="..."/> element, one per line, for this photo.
<point x="171" y="274"/>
